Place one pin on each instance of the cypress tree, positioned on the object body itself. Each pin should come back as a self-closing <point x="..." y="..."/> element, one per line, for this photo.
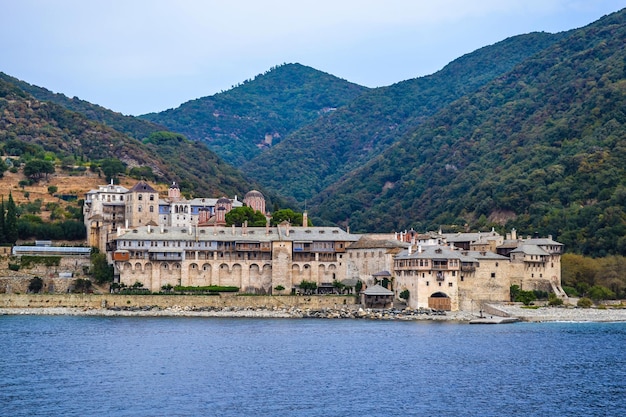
<point x="10" y="222"/>
<point x="2" y="236"/>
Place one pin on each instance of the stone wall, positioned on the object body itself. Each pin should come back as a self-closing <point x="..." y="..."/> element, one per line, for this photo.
<point x="164" y="301"/>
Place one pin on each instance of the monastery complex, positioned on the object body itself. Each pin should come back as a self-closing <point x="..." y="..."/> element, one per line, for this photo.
<point x="174" y="241"/>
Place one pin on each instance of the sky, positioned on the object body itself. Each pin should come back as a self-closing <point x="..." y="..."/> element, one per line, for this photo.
<point x="141" y="56"/>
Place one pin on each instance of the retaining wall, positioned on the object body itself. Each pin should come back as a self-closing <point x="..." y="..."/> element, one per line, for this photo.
<point x="164" y="301"/>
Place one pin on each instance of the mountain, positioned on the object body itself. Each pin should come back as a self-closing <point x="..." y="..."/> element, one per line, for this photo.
<point x="321" y="152"/>
<point x="66" y="133"/>
<point x="541" y="149"/>
<point x="131" y="126"/>
<point x="239" y="123"/>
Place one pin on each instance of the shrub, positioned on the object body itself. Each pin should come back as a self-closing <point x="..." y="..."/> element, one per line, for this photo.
<point x="405" y="295"/>
<point x="570" y="291"/>
<point x="598" y="292"/>
<point x="553" y="300"/>
<point x="279" y="288"/>
<point x="526" y="297"/>
<point x="584" y="302"/>
<point x="14" y="267"/>
<point x="35" y="285"/>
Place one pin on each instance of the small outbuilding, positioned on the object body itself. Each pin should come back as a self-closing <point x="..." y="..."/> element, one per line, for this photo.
<point x="377" y="296"/>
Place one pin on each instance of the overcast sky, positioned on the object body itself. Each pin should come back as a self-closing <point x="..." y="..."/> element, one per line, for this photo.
<point x="140" y="56"/>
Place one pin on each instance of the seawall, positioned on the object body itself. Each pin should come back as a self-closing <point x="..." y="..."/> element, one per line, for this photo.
<point x="314" y="302"/>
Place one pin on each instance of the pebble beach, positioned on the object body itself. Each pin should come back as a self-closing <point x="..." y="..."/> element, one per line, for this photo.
<point x="540" y="314"/>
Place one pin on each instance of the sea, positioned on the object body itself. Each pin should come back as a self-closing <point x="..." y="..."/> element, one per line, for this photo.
<point x="181" y="366"/>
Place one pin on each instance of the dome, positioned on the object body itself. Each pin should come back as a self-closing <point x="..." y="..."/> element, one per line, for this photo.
<point x="223" y="200"/>
<point x="174" y="185"/>
<point x="254" y="194"/>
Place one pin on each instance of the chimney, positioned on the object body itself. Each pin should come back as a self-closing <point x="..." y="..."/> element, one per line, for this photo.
<point x="419" y="248"/>
<point x="149" y="229"/>
<point x="162" y="229"/>
<point x="513" y="234"/>
<point x="410" y="250"/>
<point x="126" y="224"/>
<point x="305" y="219"/>
<point x="233" y="230"/>
<point x="244" y="228"/>
<point x="267" y="226"/>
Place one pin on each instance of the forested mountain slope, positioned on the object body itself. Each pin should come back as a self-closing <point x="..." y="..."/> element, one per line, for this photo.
<point x="65" y="133"/>
<point x="235" y="123"/>
<point x="541" y="149"/>
<point x="129" y="125"/>
<point x="320" y="153"/>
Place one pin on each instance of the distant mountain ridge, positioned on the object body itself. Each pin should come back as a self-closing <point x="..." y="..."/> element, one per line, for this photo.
<point x="541" y="148"/>
<point x="235" y="123"/>
<point x="321" y="152"/>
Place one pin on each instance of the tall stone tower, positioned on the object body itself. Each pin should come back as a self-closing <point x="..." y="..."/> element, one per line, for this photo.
<point x="222" y="206"/>
<point x="142" y="205"/>
<point x="173" y="194"/>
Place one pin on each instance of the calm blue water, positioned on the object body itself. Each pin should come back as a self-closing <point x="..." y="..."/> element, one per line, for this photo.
<point x="87" y="366"/>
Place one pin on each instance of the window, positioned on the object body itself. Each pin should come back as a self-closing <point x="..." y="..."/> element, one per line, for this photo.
<point x="140" y="197"/>
<point x="427" y="283"/>
<point x="493" y="275"/>
<point x="449" y="284"/>
<point x="151" y="209"/>
<point x="151" y="197"/>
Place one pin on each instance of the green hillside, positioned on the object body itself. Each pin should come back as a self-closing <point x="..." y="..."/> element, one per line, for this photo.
<point x="129" y="125"/>
<point x="542" y="149"/>
<point x="65" y="133"/>
<point x="234" y="123"/>
<point x="320" y="153"/>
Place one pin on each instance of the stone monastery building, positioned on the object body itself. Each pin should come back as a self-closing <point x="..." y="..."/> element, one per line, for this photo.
<point x="174" y="241"/>
<point x="112" y="206"/>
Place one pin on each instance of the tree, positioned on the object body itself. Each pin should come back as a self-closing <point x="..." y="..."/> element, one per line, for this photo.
<point x="2" y="222"/>
<point x="286" y="214"/>
<point x="52" y="189"/>
<point x="112" y="167"/>
<point x="405" y="295"/>
<point x="526" y="297"/>
<point x="35" y="285"/>
<point x="10" y="222"/>
<point x="239" y="215"/>
<point x="308" y="286"/>
<point x="3" y="167"/>
<point x="82" y="285"/>
<point x="339" y="286"/>
<point x="36" y="169"/>
<point x="101" y="270"/>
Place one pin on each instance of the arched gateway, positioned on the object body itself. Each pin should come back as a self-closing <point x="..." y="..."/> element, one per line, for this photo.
<point x="439" y="301"/>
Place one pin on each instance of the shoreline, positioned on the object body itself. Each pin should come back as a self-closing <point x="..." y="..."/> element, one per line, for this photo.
<point x="535" y="315"/>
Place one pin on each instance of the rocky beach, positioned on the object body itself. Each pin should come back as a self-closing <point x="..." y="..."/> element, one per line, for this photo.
<point x="496" y="311"/>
